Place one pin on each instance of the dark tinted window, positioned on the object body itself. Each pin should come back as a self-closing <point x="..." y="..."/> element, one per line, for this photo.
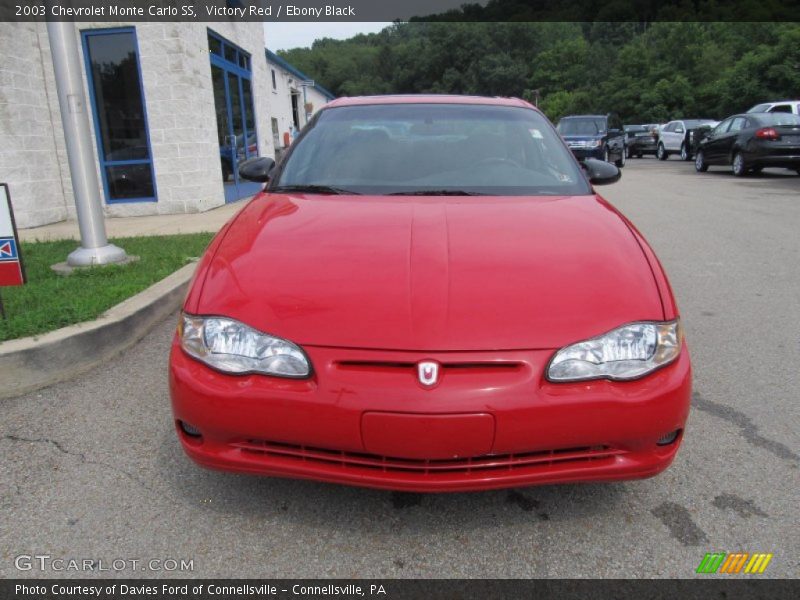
<point x="781" y="108"/>
<point x="692" y="123"/>
<point x="406" y="148"/>
<point x="119" y="113"/>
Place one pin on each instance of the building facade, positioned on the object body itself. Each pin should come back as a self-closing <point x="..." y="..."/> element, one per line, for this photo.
<point x="174" y="107"/>
<point x="295" y="99"/>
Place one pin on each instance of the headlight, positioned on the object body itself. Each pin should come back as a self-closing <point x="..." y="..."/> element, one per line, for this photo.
<point x="596" y="143"/>
<point x="628" y="352"/>
<point x="234" y="347"/>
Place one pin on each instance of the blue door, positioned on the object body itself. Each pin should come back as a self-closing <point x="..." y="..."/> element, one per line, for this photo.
<point x="236" y="127"/>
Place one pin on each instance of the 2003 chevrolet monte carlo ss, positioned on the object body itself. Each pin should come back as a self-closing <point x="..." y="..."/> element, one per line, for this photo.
<point x="430" y="296"/>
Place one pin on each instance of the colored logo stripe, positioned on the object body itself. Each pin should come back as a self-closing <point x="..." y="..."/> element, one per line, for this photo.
<point x="711" y="562"/>
<point x="722" y="562"/>
<point x="734" y="562"/>
<point x="758" y="563"/>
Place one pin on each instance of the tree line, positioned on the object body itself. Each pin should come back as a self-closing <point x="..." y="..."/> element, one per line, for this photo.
<point x="646" y="72"/>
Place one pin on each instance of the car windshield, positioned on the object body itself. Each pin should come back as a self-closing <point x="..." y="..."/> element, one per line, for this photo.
<point x="581" y="126"/>
<point x="778" y="119"/>
<point x="760" y="108"/>
<point x="431" y="149"/>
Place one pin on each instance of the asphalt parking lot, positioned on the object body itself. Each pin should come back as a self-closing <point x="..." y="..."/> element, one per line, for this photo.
<point x="92" y="468"/>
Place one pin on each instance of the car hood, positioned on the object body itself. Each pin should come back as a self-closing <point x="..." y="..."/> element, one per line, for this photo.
<point x="435" y="274"/>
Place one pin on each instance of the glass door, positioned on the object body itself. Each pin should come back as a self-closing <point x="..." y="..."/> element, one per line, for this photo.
<point x="236" y="128"/>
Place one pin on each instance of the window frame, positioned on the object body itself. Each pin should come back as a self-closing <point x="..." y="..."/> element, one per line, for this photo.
<point x="101" y="151"/>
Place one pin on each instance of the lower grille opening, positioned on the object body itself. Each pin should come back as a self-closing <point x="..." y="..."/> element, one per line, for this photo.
<point x="489" y="462"/>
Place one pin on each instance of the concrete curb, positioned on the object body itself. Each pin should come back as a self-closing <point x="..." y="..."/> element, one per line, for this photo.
<point x="27" y="364"/>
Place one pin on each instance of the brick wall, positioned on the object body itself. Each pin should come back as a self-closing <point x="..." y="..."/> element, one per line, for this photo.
<point x="29" y="161"/>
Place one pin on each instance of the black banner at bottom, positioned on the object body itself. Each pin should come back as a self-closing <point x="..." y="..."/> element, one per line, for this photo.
<point x="398" y="589"/>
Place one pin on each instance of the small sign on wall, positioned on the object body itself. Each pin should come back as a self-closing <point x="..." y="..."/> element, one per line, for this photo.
<point x="12" y="272"/>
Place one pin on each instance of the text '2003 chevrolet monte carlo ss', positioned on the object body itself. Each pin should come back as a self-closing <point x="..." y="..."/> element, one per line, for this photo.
<point x="429" y="295"/>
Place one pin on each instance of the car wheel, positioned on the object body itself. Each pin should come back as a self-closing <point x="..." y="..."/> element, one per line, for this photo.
<point x="739" y="168"/>
<point x="685" y="153"/>
<point x="661" y="153"/>
<point x="621" y="162"/>
<point x="700" y="162"/>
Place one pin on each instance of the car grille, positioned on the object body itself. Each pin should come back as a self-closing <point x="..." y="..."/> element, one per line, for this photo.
<point x="506" y="462"/>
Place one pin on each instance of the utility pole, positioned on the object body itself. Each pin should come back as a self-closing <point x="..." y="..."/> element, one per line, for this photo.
<point x="94" y="249"/>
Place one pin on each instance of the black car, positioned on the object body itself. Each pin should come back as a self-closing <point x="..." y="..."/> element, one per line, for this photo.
<point x="640" y="140"/>
<point x="594" y="136"/>
<point x="752" y="141"/>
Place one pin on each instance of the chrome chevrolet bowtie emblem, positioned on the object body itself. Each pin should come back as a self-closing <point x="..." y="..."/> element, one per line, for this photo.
<point x="428" y="373"/>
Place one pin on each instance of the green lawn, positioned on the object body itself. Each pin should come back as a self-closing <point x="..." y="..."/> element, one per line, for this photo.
<point x="49" y="301"/>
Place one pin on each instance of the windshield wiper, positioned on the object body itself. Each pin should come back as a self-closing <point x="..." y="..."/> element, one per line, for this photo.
<point x="314" y="189"/>
<point x="436" y="193"/>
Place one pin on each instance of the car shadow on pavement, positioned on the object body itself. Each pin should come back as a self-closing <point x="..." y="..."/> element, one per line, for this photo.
<point x="332" y="506"/>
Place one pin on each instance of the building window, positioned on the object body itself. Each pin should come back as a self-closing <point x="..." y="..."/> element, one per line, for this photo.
<point x="120" y="119"/>
<point x="274" y="81"/>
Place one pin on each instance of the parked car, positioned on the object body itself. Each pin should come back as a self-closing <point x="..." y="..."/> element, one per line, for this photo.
<point x="640" y="139"/>
<point x="594" y="136"/>
<point x="783" y="106"/>
<point x="677" y="137"/>
<point x="449" y="310"/>
<point x="751" y="142"/>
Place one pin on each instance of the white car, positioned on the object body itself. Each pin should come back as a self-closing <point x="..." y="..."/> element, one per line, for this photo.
<point x="676" y="137"/>
<point x="786" y="106"/>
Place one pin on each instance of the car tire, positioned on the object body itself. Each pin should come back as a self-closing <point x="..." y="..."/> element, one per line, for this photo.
<point x="700" y="164"/>
<point x="661" y="153"/>
<point x="621" y="161"/>
<point x="739" y="168"/>
<point x="685" y="154"/>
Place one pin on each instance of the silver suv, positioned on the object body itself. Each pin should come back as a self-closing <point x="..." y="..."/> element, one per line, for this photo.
<point x="677" y="137"/>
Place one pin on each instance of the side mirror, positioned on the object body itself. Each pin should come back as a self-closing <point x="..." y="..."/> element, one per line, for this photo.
<point x="600" y="172"/>
<point x="256" y="169"/>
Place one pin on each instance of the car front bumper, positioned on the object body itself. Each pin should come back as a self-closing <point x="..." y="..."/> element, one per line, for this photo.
<point x="492" y="421"/>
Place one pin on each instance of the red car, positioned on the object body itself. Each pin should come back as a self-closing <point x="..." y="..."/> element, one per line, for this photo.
<point x="430" y="296"/>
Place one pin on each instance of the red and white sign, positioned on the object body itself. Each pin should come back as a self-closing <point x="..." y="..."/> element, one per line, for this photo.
<point x="11" y="270"/>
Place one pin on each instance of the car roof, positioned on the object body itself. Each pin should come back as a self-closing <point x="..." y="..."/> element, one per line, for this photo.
<point x="428" y="99"/>
<point x="585" y="117"/>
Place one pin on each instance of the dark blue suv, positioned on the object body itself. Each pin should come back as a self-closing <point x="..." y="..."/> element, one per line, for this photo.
<point x="594" y="136"/>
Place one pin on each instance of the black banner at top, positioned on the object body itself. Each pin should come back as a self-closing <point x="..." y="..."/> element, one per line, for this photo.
<point x="643" y="11"/>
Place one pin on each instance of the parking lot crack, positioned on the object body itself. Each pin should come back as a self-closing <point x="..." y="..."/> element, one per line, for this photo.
<point x="79" y="455"/>
<point x="749" y="429"/>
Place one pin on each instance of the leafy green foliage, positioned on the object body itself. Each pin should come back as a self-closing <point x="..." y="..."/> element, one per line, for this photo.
<point x="648" y="72"/>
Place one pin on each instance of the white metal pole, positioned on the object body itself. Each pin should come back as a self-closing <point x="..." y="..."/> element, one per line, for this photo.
<point x="95" y="249"/>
